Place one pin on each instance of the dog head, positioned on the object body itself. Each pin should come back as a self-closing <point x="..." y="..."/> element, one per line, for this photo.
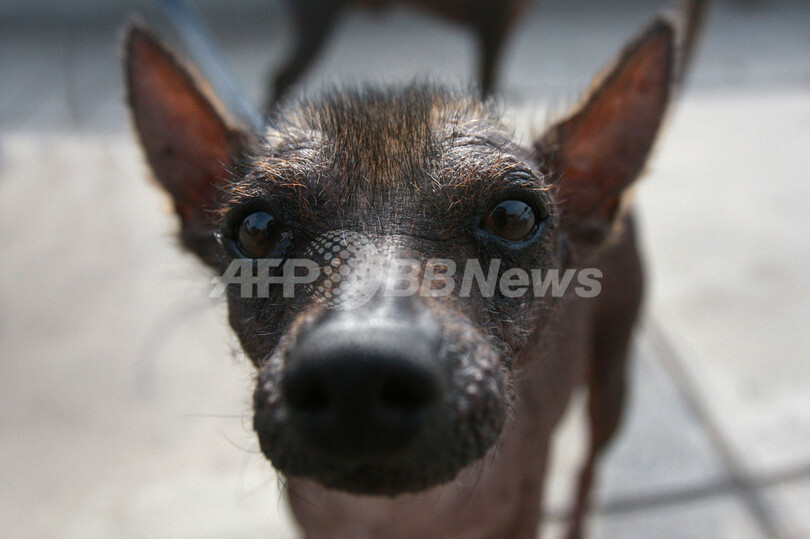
<point x="385" y="362"/>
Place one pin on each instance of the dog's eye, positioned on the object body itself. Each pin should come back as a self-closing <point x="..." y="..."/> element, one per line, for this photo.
<point x="511" y="220"/>
<point x="258" y="234"/>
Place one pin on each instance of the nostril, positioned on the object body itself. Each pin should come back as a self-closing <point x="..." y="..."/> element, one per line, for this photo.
<point x="407" y="394"/>
<point x="308" y="395"/>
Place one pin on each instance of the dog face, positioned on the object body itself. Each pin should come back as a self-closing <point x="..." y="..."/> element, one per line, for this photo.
<point x="360" y="398"/>
<point x="403" y="390"/>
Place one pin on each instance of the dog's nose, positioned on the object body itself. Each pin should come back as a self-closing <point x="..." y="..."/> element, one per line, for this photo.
<point x="358" y="389"/>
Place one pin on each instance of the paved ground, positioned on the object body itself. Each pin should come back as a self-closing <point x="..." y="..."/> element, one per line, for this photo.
<point x="124" y="410"/>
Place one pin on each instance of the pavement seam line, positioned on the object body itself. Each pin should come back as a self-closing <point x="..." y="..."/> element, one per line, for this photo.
<point x="741" y="482"/>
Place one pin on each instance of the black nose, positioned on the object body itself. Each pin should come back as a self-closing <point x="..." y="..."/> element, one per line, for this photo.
<point x="359" y="389"/>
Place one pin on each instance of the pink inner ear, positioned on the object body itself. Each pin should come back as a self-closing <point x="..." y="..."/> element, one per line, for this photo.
<point x="186" y="141"/>
<point x="605" y="145"/>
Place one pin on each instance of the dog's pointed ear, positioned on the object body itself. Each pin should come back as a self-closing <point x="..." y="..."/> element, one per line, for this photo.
<point x="189" y="141"/>
<point x="600" y="149"/>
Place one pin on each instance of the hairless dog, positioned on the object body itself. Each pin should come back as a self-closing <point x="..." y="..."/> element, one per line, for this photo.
<point x="416" y="411"/>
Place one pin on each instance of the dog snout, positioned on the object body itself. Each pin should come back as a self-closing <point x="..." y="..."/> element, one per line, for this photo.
<point x="357" y="390"/>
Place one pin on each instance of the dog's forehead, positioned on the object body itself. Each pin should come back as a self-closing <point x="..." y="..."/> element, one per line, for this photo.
<point x="389" y="138"/>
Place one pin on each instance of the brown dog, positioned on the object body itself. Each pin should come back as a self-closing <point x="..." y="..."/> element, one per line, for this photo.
<point x="491" y="21"/>
<point x="426" y="414"/>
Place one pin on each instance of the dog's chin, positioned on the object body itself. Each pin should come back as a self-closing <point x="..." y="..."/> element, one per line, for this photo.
<point x="426" y="464"/>
<point x="422" y="467"/>
<point x="380" y="479"/>
<point x="383" y="480"/>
